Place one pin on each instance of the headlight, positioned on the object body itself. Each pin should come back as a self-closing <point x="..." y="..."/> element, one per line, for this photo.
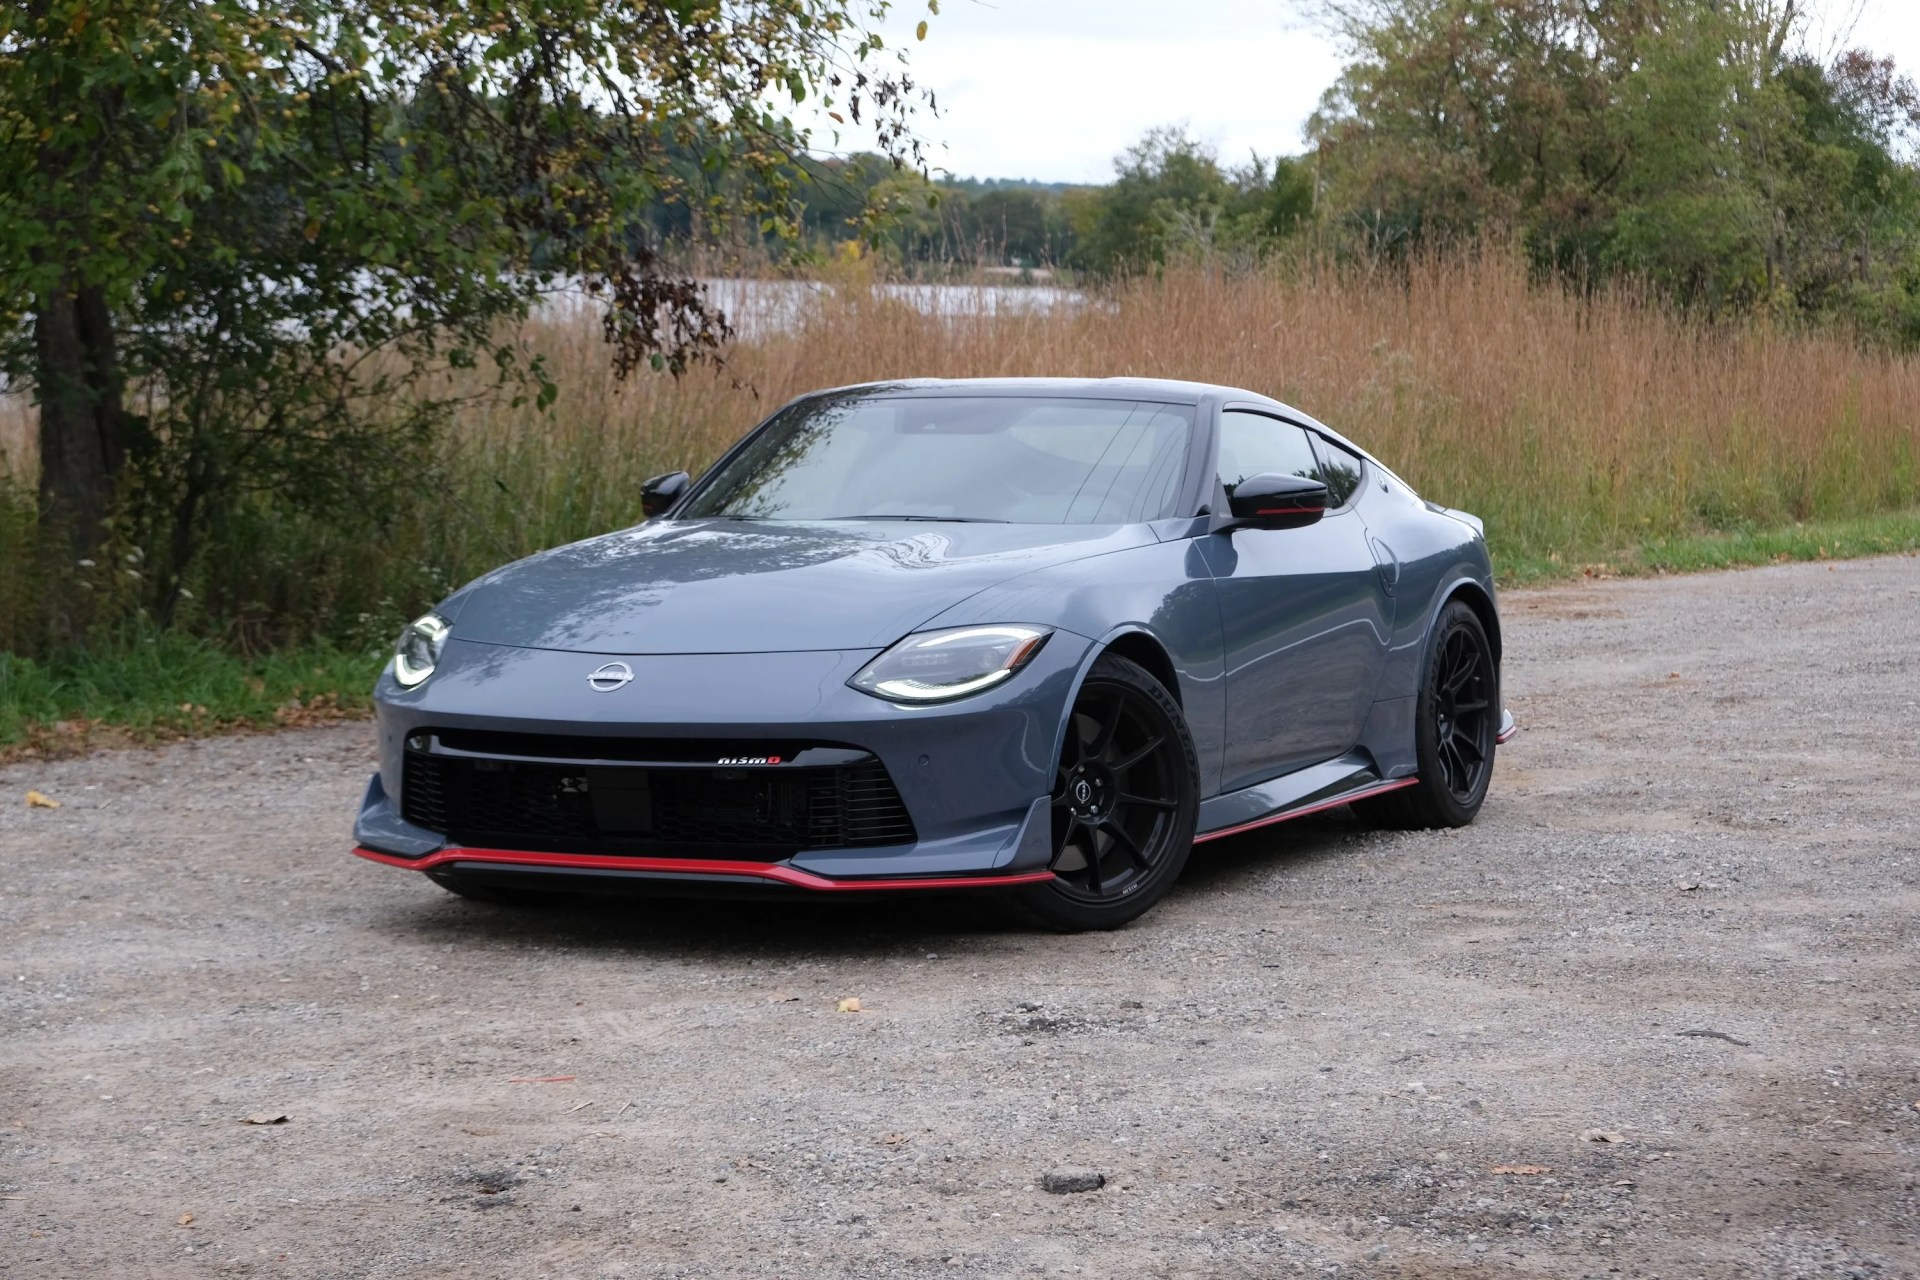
<point x="937" y="665"/>
<point x="417" y="651"/>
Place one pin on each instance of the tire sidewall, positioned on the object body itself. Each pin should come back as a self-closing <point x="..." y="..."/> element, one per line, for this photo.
<point x="1047" y="904"/>
<point x="1454" y="615"/>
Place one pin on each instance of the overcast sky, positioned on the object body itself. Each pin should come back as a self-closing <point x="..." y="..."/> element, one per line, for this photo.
<point x="1054" y="89"/>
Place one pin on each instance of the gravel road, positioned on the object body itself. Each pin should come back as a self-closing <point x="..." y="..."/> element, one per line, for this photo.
<point x="1656" y="1014"/>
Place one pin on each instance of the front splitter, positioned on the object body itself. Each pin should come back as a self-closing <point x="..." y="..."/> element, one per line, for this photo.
<point x="695" y="868"/>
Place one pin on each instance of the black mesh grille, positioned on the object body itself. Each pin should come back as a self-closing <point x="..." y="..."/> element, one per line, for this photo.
<point x="756" y="813"/>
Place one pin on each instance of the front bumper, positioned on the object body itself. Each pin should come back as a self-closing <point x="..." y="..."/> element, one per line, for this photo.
<point x="641" y="872"/>
<point x="974" y="775"/>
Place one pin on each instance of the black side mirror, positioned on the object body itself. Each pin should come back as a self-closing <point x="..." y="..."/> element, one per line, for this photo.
<point x="658" y="495"/>
<point x="1273" y="501"/>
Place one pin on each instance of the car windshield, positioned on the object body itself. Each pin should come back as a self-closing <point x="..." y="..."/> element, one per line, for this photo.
<point x="1027" y="460"/>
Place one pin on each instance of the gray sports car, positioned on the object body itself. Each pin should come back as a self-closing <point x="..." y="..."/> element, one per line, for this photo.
<point x="1039" y="637"/>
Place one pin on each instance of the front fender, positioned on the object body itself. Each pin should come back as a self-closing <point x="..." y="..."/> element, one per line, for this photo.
<point x="1163" y="591"/>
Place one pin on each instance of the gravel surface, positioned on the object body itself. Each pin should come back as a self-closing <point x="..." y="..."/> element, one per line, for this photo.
<point x="1653" y="1015"/>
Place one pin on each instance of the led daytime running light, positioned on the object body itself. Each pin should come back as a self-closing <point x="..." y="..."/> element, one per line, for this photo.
<point x="418" y="651"/>
<point x="938" y="666"/>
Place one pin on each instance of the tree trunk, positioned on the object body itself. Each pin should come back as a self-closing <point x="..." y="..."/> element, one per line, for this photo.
<point x="82" y="417"/>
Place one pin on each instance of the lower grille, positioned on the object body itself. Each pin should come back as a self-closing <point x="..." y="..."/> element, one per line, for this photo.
<point x="759" y="813"/>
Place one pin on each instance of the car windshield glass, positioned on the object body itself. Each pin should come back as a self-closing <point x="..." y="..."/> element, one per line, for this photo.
<point x="1018" y="459"/>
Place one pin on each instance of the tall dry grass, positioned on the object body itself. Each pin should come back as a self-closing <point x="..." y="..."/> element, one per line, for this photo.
<point x="1579" y="426"/>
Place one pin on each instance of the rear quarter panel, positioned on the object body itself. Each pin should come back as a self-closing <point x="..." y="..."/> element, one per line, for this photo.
<point x="1436" y="555"/>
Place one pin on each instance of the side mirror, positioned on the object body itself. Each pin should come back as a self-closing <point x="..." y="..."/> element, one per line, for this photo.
<point x="1273" y="501"/>
<point x="658" y="495"/>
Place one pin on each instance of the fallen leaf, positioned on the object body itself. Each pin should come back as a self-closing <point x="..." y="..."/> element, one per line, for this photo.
<point x="1624" y="1182"/>
<point x="1523" y="1170"/>
<point x="1603" y="1135"/>
<point x="38" y="800"/>
<point x="264" y="1117"/>
<point x="894" y="1139"/>
<point x="850" y="1005"/>
<point x="1689" y="888"/>
<point x="541" y="1079"/>
<point x="185" y="1219"/>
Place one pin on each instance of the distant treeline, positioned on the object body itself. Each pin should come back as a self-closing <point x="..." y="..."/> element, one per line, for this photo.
<point x="1680" y="142"/>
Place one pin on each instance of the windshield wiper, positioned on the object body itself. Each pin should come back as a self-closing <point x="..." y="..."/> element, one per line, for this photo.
<point x="935" y="519"/>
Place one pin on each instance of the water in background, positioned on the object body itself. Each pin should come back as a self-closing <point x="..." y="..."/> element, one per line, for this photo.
<point x="762" y="308"/>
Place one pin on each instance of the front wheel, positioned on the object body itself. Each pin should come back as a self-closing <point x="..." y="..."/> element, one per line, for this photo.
<point x="1456" y="719"/>
<point x="1125" y="800"/>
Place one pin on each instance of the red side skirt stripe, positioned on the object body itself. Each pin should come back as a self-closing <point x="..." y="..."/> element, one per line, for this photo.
<point x="1290" y="814"/>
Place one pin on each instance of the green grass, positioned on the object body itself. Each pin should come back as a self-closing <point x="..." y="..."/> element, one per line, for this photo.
<point x="151" y="688"/>
<point x="163" y="686"/>
<point x="1843" y="539"/>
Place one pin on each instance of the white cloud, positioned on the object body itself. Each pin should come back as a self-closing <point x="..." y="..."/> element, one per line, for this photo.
<point x="1054" y="89"/>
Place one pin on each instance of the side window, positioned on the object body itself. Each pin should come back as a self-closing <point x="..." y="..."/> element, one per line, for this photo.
<point x="1253" y="445"/>
<point x="1343" y="471"/>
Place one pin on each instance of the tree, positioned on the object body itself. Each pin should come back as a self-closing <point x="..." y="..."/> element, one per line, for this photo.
<point x="238" y="237"/>
<point x="1683" y="141"/>
<point x="1172" y="199"/>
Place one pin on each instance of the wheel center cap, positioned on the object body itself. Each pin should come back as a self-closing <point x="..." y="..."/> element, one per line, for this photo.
<point x="1090" y="792"/>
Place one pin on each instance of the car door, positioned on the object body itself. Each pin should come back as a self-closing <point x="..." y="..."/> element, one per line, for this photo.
<point x="1305" y="614"/>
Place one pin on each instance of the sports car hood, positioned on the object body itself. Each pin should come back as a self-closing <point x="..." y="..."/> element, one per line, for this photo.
<point x="718" y="586"/>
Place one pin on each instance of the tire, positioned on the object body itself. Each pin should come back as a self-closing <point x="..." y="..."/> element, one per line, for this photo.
<point x="1456" y="719"/>
<point x="496" y="895"/>
<point x="1125" y="800"/>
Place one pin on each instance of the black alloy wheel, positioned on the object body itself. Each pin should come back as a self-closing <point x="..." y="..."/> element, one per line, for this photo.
<point x="1464" y="718"/>
<point x="1125" y="799"/>
<point x="1457" y="718"/>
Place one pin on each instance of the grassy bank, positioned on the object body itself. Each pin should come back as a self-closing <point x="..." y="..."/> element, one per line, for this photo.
<point x="1595" y="433"/>
<point x="139" y="689"/>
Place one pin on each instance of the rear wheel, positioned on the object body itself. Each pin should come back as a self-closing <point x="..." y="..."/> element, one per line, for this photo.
<point x="1456" y="719"/>
<point x="1125" y="799"/>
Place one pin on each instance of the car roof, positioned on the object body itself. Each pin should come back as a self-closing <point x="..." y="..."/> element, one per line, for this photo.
<point x="1172" y="390"/>
<point x="1165" y="390"/>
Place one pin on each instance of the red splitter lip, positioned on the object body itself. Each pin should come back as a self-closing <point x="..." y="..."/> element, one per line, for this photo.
<point x="773" y="871"/>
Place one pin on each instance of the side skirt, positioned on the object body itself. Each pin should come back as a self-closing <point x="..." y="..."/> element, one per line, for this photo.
<point x="1294" y="795"/>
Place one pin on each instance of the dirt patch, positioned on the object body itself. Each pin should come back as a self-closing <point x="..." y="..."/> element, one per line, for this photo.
<point x="1314" y="1055"/>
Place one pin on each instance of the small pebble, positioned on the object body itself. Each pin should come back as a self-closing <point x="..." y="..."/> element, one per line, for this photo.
<point x="1062" y="1182"/>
